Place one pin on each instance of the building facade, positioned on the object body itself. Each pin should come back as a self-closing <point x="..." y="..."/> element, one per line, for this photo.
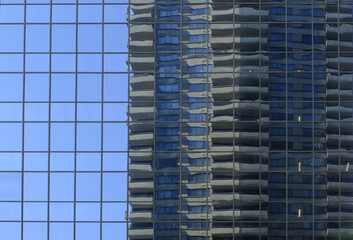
<point x="240" y="120"/>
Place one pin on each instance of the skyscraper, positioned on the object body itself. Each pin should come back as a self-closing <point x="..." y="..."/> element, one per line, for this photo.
<point x="240" y="120"/>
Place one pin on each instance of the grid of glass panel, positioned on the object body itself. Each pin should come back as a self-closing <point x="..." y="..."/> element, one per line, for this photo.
<point x="63" y="101"/>
<point x="240" y="120"/>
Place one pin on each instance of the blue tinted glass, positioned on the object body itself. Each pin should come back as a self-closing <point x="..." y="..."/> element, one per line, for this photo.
<point x="90" y="13"/>
<point x="64" y="13"/>
<point x="62" y="189"/>
<point x="90" y="38"/>
<point x="37" y="87"/>
<point x="13" y="42"/>
<point x="37" y="38"/>
<point x="33" y="231"/>
<point x="59" y="231"/>
<point x="12" y="13"/>
<point x="35" y="187"/>
<point x="63" y="38"/>
<point x="62" y="136"/>
<point x="88" y="136"/>
<point x="34" y="211"/>
<point x="88" y="186"/>
<point x="38" y="13"/>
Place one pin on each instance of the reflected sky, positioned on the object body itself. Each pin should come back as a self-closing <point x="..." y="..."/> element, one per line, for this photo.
<point x="63" y="100"/>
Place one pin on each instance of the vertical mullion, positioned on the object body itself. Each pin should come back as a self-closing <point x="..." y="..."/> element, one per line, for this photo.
<point x="102" y="128"/>
<point x="286" y="79"/>
<point x="75" y="149"/>
<point x="128" y="123"/>
<point x="313" y="118"/>
<point x="49" y="114"/>
<point x="23" y="113"/>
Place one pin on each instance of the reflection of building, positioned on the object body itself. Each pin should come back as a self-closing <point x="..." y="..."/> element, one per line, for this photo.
<point x="240" y="121"/>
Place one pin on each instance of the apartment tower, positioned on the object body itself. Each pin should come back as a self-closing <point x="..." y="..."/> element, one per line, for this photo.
<point x="240" y="120"/>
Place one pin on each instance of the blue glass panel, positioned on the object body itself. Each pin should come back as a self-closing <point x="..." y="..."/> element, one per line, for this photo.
<point x="35" y="187"/>
<point x="59" y="231"/>
<point x="34" y="211"/>
<point x="88" y="186"/>
<point x="114" y="135"/>
<point x="13" y="42"/>
<point x="34" y="231"/>
<point x="62" y="189"/>
<point x="62" y="137"/>
<point x="88" y="137"/>
<point x="36" y="137"/>
<point x="88" y="162"/>
<point x="37" y="38"/>
<point x="11" y="137"/>
<point x="87" y="211"/>
<point x="62" y="161"/>
<point x="112" y="191"/>
<point x="64" y="13"/>
<point x="37" y="87"/>
<point x="61" y="211"/>
<point x="10" y="211"/>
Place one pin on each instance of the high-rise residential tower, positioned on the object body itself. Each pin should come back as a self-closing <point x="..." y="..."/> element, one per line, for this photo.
<point x="240" y="120"/>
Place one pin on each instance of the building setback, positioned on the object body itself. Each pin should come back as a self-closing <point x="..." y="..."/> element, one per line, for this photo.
<point x="240" y="120"/>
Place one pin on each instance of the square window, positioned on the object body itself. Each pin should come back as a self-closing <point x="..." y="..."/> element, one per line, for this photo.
<point x="89" y="87"/>
<point x="63" y="87"/>
<point x="89" y="111"/>
<point x="11" y="87"/>
<point x="87" y="211"/>
<point x="88" y="162"/>
<point x="60" y="231"/>
<point x="89" y="38"/>
<point x="90" y="13"/>
<point x="115" y="38"/>
<point x="37" y="38"/>
<point x="114" y="137"/>
<point x="61" y="211"/>
<point x="61" y="189"/>
<point x="34" y="211"/>
<point x="64" y="13"/>
<point x="115" y="13"/>
<point x="10" y="211"/>
<point x="33" y="231"/>
<point x="36" y="161"/>
<point x="112" y="191"/>
<point x="115" y="112"/>
<point x="37" y="13"/>
<point x="112" y="231"/>
<point x="88" y="136"/>
<point x="63" y="63"/>
<point x="62" y="161"/>
<point x="62" y="137"/>
<point x="115" y="161"/>
<point x="13" y="42"/>
<point x="11" y="62"/>
<point x="64" y="38"/>
<point x="10" y="230"/>
<point x="115" y="63"/>
<point x="11" y="13"/>
<point x="11" y="111"/>
<point x="10" y="137"/>
<point x="37" y="87"/>
<point x="89" y="1"/>
<point x="90" y="62"/>
<point x="116" y="87"/>
<point x="36" y="111"/>
<point x="35" y="187"/>
<point x="114" y="211"/>
<point x="36" y="136"/>
<point x="10" y="162"/>
<point x="37" y="62"/>
<point x="10" y="186"/>
<point x="88" y="186"/>
<point x="62" y="112"/>
<point x="38" y="1"/>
